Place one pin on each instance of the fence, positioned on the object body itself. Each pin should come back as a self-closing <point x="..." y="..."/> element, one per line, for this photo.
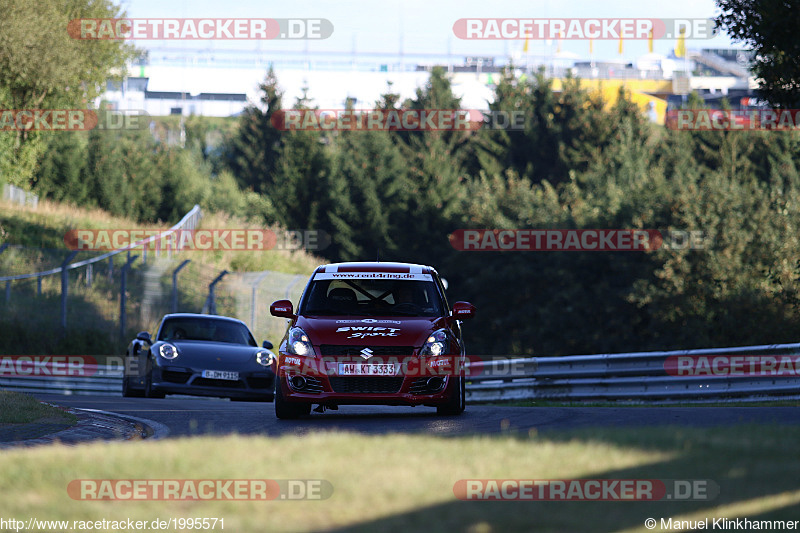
<point x="98" y="312"/>
<point x="105" y="292"/>
<point x="19" y="196"/>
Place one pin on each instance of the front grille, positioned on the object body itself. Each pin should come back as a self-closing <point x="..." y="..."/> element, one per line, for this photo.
<point x="260" y="383"/>
<point x="173" y="376"/>
<point x="219" y="383"/>
<point x="366" y="384"/>
<point x="346" y="349"/>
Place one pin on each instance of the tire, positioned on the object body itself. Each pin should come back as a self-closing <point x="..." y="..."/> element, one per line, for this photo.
<point x="148" y="386"/>
<point x="288" y="411"/>
<point x="128" y="392"/>
<point x="457" y="402"/>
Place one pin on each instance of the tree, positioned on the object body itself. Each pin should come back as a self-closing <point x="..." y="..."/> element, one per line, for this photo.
<point x="301" y="185"/>
<point x="62" y="171"/>
<point x="253" y="153"/>
<point x="41" y="64"/>
<point x="42" y="67"/>
<point x="370" y="189"/>
<point x="769" y="27"/>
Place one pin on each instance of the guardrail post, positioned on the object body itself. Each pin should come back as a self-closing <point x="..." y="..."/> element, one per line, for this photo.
<point x="64" y="283"/>
<point x="39" y="285"/>
<point x="122" y="287"/>
<point x="89" y="275"/>
<point x="212" y="299"/>
<point x="110" y="269"/>
<point x="256" y="283"/>
<point x="144" y="254"/>
<point x="174" y="306"/>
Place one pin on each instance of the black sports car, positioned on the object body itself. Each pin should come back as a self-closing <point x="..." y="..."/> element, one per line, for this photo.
<point x="202" y="355"/>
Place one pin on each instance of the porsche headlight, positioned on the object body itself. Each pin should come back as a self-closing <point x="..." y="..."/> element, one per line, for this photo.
<point x="168" y="351"/>
<point x="436" y="343"/>
<point x="299" y="343"/>
<point x="265" y="357"/>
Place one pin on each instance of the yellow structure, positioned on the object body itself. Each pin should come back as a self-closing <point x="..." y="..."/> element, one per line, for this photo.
<point x="643" y="92"/>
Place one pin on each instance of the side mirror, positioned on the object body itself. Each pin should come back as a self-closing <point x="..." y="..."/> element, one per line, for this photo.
<point x="144" y="336"/>
<point x="282" y="308"/>
<point x="267" y="345"/>
<point x="462" y="311"/>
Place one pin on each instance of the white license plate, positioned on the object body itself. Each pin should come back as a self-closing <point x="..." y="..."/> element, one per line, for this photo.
<point x="221" y="374"/>
<point x="361" y="369"/>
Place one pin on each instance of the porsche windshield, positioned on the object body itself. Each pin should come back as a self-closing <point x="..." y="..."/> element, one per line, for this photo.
<point x="371" y="297"/>
<point x="205" y="329"/>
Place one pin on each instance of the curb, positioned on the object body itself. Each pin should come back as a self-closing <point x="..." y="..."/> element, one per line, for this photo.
<point x="96" y="425"/>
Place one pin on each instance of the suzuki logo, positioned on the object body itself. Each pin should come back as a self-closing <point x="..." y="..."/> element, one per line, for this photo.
<point x="366" y="353"/>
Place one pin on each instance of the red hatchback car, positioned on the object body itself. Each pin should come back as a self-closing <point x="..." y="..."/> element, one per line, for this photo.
<point x="371" y="333"/>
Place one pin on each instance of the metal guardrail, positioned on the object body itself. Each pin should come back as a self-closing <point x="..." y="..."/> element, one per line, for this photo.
<point x="626" y="376"/>
<point x="106" y="380"/>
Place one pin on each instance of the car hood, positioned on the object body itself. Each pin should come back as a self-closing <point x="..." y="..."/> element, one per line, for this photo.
<point x="373" y="331"/>
<point x="213" y="353"/>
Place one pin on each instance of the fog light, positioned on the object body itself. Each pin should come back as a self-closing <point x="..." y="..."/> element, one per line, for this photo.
<point x="298" y="382"/>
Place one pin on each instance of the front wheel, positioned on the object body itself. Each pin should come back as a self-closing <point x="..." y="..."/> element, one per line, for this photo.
<point x="149" y="392"/>
<point x="458" y="399"/>
<point x="128" y="391"/>
<point x="287" y="410"/>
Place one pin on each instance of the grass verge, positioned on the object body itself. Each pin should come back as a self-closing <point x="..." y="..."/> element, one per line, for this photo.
<point x="20" y="408"/>
<point x="732" y="402"/>
<point x="405" y="482"/>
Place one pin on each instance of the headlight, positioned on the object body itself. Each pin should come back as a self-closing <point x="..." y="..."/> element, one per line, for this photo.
<point x="299" y="343"/>
<point x="265" y="357"/>
<point x="436" y="343"/>
<point x="168" y="351"/>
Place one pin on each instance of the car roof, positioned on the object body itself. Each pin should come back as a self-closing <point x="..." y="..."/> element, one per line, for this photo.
<point x="200" y="315"/>
<point x="376" y="266"/>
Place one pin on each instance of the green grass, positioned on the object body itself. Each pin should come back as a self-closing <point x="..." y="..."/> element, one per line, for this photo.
<point x="733" y="402"/>
<point x="405" y="482"/>
<point x="20" y="408"/>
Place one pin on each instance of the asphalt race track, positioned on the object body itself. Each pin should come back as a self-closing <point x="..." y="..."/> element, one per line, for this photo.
<point x="194" y="416"/>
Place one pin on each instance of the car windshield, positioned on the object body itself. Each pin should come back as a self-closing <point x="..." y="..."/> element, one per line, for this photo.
<point x="205" y="329"/>
<point x="372" y="298"/>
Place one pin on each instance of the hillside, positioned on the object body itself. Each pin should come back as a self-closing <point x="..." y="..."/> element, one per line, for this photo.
<point x="35" y="239"/>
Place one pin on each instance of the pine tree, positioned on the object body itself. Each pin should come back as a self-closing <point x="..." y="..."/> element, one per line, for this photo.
<point x="254" y="151"/>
